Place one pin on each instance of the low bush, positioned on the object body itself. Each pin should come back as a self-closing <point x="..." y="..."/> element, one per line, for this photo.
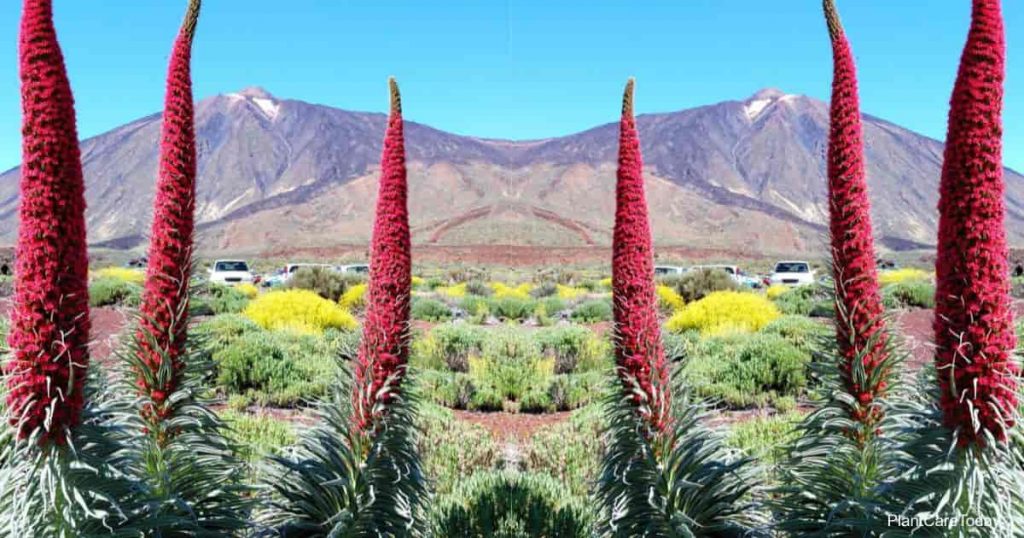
<point x="247" y="289"/>
<point x="217" y="333"/>
<point x="545" y="289"/>
<point x="452" y="450"/>
<point x="803" y="333"/>
<point x="535" y="400"/>
<point x="725" y="311"/>
<point x="502" y="291"/>
<point x="569" y="451"/>
<point x="511" y="504"/>
<point x="765" y="439"/>
<point x="802" y="300"/>
<point x="215" y="299"/>
<point x="257" y="436"/>
<point x="478" y="287"/>
<point x="572" y="391"/>
<point x="695" y="285"/>
<point x="574" y="348"/>
<point x="425" y="309"/>
<point x="593" y="311"/>
<point x="107" y="291"/>
<point x="512" y="307"/>
<point x="277" y="368"/>
<point x="776" y="290"/>
<point x="4" y="329"/>
<point x="325" y="282"/>
<point x="448" y="346"/>
<point x="354" y="297"/>
<point x="455" y="291"/>
<point x="669" y="299"/>
<point x="300" y="311"/>
<point x="448" y="389"/>
<point x="570" y="293"/>
<point x="742" y="370"/>
<point x="909" y="294"/>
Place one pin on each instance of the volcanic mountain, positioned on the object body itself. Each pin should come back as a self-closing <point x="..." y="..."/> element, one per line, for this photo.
<point x="278" y="175"/>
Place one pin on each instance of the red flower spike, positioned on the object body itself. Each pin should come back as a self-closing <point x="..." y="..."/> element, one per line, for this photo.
<point x="639" y="355"/>
<point x="384" y="349"/>
<point x="974" y="331"/>
<point x="163" y="320"/>
<point x="50" y="319"/>
<point x="860" y="335"/>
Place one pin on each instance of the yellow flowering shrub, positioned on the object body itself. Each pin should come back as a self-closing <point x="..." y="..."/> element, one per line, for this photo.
<point x="126" y="274"/>
<point x="776" y="290"/>
<point x="298" y="310"/>
<point x="354" y="298"/>
<point x="456" y="291"/>
<point x="570" y="293"/>
<point x="502" y="290"/>
<point x="725" y="312"/>
<point x="606" y="283"/>
<point x="669" y="299"/>
<point x="898" y="276"/>
<point x="247" y="289"/>
<point x="418" y="281"/>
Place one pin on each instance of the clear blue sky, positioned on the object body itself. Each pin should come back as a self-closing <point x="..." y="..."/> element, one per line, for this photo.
<point x="512" y="68"/>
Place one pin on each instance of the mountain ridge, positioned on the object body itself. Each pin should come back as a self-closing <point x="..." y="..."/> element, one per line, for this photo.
<point x="280" y="173"/>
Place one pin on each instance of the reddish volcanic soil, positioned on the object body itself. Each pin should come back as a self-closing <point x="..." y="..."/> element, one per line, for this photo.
<point x="512" y="426"/>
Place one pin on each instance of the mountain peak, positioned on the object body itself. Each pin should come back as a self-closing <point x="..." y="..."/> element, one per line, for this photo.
<point x="256" y="92"/>
<point x="767" y="93"/>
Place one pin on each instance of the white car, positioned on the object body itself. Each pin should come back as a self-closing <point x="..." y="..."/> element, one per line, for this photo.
<point x="230" y="272"/>
<point x="737" y="274"/>
<point x="359" y="268"/>
<point x="792" y="273"/>
<point x="668" y="270"/>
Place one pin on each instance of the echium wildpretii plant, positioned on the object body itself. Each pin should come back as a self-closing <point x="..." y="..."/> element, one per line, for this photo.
<point x="61" y="469"/>
<point x="358" y="472"/>
<point x="187" y="474"/>
<point x="830" y="485"/>
<point x="664" y="473"/>
<point x="962" y="463"/>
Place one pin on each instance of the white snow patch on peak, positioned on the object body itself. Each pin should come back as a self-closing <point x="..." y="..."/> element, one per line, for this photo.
<point x="235" y="97"/>
<point x="754" y="107"/>
<point x="269" y="107"/>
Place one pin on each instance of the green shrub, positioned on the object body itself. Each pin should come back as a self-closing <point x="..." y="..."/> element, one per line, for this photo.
<point x="327" y="283"/>
<point x="765" y="439"/>
<point x="486" y="398"/>
<point x="909" y="294"/>
<point x="801" y="300"/>
<point x="553" y="305"/>
<point x="452" y="450"/>
<point x="679" y="345"/>
<point x="804" y="333"/>
<point x="593" y="311"/>
<point x="572" y="391"/>
<point x="511" y="504"/>
<point x="545" y="289"/>
<point x="574" y="348"/>
<point x="479" y="287"/>
<point x="450" y="344"/>
<point x="109" y="291"/>
<point x="569" y="451"/>
<point x="535" y="400"/>
<point x="515" y="308"/>
<point x="449" y="389"/>
<point x="225" y="299"/>
<point x="257" y="436"/>
<point x="425" y="309"/>
<point x="695" y="285"/>
<point x="277" y="368"/>
<point x="743" y="370"/>
<point x="217" y="333"/>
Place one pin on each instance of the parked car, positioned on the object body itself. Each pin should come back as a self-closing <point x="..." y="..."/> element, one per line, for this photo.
<point x="231" y="272"/>
<point x="359" y="268"/>
<point x="792" y="273"/>
<point x="668" y="270"/>
<point x="737" y="274"/>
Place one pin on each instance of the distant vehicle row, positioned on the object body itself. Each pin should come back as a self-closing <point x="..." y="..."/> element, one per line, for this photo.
<point x="238" y="272"/>
<point x="789" y="273"/>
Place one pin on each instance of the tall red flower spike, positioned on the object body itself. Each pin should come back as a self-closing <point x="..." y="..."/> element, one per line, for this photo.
<point x="860" y="334"/>
<point x="974" y="330"/>
<point x="50" y="320"/>
<point x="384" y="350"/>
<point x="639" y="355"/>
<point x="164" y="320"/>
